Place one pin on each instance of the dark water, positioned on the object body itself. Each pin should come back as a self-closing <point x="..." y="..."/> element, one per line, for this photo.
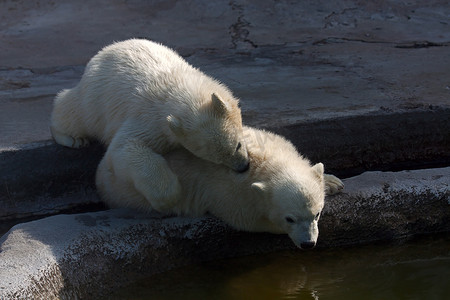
<point x="418" y="269"/>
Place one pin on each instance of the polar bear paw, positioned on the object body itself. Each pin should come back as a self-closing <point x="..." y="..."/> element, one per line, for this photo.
<point x="68" y="141"/>
<point x="79" y="142"/>
<point x="167" y="201"/>
<point x="333" y="185"/>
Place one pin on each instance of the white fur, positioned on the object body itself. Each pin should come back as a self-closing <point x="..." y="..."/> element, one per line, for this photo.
<point x="280" y="184"/>
<point x="143" y="100"/>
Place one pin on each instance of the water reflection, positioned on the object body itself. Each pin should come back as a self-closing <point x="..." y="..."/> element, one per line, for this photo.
<point x="415" y="270"/>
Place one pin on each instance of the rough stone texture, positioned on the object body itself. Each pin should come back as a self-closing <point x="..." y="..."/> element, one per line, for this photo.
<point x="388" y="205"/>
<point x="74" y="30"/>
<point x="86" y="255"/>
<point x="47" y="179"/>
<point x="289" y="61"/>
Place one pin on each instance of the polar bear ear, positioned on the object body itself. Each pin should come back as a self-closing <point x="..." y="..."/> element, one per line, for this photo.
<point x="219" y="106"/>
<point x="318" y="170"/>
<point x="258" y="186"/>
<point x="175" y="125"/>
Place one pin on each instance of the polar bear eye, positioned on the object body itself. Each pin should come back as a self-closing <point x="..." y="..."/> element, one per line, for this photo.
<point x="289" y="220"/>
<point x="317" y="216"/>
<point x="239" y="145"/>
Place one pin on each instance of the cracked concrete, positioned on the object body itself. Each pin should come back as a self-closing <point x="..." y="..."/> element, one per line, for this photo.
<point x="302" y="61"/>
<point x="239" y="31"/>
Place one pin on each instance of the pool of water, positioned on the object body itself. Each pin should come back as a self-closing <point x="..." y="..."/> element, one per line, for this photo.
<point x="418" y="269"/>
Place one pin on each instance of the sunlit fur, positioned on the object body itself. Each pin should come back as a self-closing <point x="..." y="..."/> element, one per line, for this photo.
<point x="142" y="100"/>
<point x="141" y="83"/>
<point x="280" y="183"/>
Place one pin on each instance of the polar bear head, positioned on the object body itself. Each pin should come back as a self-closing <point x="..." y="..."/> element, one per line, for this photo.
<point x="284" y="193"/>
<point x="295" y="202"/>
<point x="214" y="133"/>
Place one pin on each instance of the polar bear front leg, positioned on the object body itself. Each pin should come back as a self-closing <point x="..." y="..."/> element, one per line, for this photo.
<point x="67" y="140"/>
<point x="333" y="185"/>
<point x="134" y="162"/>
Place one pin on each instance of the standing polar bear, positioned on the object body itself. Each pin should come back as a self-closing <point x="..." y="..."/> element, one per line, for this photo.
<point x="281" y="193"/>
<point x="143" y="100"/>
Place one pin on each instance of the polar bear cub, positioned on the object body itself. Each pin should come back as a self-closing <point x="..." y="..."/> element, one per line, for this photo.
<point x="281" y="193"/>
<point x="143" y="100"/>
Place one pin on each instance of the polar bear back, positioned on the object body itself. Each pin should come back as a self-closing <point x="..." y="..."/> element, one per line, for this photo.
<point x="137" y="79"/>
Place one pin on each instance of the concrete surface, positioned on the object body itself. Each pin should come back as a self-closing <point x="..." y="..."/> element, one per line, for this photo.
<point x="67" y="256"/>
<point x="289" y="62"/>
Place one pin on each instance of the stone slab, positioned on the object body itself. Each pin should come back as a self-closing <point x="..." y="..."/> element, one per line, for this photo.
<point x="86" y="255"/>
<point x="67" y="32"/>
<point x="288" y="62"/>
<point x="46" y="179"/>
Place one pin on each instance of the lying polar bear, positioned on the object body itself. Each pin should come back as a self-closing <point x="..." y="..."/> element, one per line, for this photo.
<point x="281" y="193"/>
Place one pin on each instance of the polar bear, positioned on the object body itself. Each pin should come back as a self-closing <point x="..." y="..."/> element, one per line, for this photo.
<point x="281" y="193"/>
<point x="142" y="100"/>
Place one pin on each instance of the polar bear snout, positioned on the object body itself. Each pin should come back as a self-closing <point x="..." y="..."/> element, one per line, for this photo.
<point x="304" y="234"/>
<point x="239" y="161"/>
<point x="243" y="167"/>
<point x="307" y="245"/>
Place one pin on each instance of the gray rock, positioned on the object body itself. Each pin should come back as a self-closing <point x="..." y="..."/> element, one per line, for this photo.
<point x="87" y="255"/>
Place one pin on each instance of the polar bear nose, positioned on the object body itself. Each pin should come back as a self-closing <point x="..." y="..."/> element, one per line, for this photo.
<point x="243" y="168"/>
<point x="307" y="245"/>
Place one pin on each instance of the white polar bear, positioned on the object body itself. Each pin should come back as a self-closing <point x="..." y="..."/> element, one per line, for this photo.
<point x="143" y="100"/>
<point x="281" y="193"/>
